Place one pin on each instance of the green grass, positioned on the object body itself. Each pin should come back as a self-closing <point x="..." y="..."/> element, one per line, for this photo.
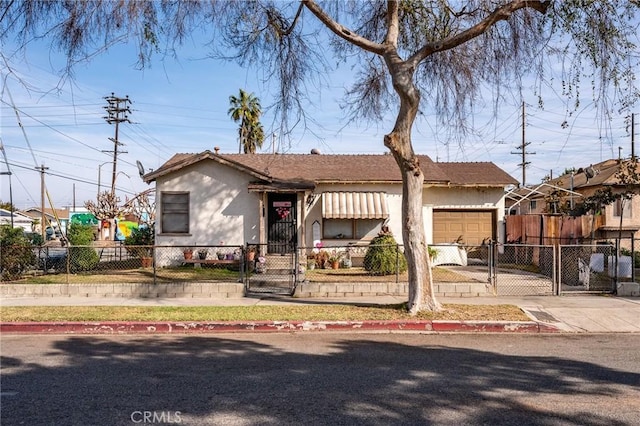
<point x="329" y="312"/>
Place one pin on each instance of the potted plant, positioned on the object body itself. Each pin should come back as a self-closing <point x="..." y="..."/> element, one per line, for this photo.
<point x="334" y="259"/>
<point x="188" y="253"/>
<point x="202" y="254"/>
<point x="251" y="253"/>
<point x="311" y="262"/>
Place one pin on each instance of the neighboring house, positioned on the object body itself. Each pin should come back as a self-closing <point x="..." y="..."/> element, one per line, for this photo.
<point x="570" y="190"/>
<point x="298" y="200"/>
<point x="19" y="220"/>
<point x="35" y="213"/>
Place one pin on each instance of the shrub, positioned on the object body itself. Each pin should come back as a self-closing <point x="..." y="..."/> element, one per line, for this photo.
<point x="82" y="259"/>
<point x="80" y="235"/>
<point x="16" y="253"/>
<point x="140" y="242"/>
<point x="383" y="256"/>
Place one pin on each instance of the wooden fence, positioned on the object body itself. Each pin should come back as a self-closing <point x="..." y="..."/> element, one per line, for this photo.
<point x="550" y="230"/>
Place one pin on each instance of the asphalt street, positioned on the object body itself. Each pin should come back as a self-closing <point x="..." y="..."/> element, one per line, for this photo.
<point x="322" y="379"/>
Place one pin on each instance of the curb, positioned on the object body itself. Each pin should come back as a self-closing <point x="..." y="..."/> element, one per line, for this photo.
<point x="140" y="327"/>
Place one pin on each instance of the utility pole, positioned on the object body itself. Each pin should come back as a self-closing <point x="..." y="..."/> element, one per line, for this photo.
<point x="42" y="168"/>
<point x="633" y="136"/>
<point x="8" y="173"/>
<point x="117" y="109"/>
<point x="523" y="150"/>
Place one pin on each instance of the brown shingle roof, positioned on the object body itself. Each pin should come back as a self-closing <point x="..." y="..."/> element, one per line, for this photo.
<point x="480" y="173"/>
<point x="342" y="168"/>
<point x="604" y="173"/>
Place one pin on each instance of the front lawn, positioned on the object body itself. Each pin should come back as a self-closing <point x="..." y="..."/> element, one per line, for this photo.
<point x="324" y="312"/>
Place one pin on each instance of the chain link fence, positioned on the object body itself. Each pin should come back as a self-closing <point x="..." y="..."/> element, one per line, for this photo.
<point x="592" y="268"/>
<point x="118" y="263"/>
<point x="510" y="269"/>
<point x="524" y="270"/>
<point x="375" y="262"/>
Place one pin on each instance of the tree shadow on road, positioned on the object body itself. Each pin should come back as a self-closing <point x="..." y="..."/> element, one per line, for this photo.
<point x="246" y="380"/>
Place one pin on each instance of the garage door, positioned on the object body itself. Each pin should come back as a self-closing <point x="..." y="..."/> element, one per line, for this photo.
<point x="470" y="228"/>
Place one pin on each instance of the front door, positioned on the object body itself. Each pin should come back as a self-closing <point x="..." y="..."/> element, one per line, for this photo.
<point x="281" y="217"/>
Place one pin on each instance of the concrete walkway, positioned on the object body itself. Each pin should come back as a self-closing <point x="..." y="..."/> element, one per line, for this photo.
<point x="573" y="314"/>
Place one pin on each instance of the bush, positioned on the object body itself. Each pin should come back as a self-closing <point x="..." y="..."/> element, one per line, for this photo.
<point x="16" y="253"/>
<point x="383" y="256"/>
<point x="140" y="241"/>
<point x="80" y="235"/>
<point x="82" y="259"/>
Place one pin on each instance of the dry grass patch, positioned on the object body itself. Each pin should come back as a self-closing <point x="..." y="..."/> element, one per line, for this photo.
<point x="328" y="312"/>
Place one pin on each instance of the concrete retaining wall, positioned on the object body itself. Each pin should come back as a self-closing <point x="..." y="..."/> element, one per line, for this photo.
<point x="145" y="290"/>
<point x="230" y="290"/>
<point x="315" y="290"/>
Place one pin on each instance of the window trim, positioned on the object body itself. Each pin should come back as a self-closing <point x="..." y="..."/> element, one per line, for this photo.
<point x="354" y="224"/>
<point x="187" y="232"/>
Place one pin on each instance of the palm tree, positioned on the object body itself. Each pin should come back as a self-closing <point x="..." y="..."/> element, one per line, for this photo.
<point x="246" y="110"/>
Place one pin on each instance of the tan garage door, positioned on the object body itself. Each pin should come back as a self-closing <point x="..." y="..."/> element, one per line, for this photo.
<point x="470" y="228"/>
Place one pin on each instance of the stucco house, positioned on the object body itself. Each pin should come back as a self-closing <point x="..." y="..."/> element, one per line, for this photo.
<point x="289" y="201"/>
<point x="18" y="220"/>
<point x="57" y="219"/>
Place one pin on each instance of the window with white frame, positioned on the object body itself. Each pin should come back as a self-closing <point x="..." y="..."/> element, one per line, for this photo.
<point x="354" y="229"/>
<point x="622" y="208"/>
<point x="174" y="213"/>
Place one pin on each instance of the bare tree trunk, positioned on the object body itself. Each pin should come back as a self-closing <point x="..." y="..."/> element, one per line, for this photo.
<point x="421" y="295"/>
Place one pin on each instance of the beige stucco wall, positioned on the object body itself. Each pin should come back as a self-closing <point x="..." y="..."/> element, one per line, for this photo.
<point x="490" y="199"/>
<point x="221" y="208"/>
<point x="394" y="200"/>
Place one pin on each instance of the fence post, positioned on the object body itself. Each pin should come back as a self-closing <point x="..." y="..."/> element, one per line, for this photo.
<point x="153" y="262"/>
<point x="558" y="268"/>
<point x="554" y="270"/>
<point x="397" y="263"/>
<point x="491" y="256"/>
<point x="633" y="259"/>
<point x="616" y="265"/>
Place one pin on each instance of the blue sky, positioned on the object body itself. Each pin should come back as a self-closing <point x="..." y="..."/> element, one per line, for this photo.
<point x="181" y="106"/>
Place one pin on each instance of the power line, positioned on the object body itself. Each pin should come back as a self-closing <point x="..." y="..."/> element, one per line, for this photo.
<point x="117" y="110"/>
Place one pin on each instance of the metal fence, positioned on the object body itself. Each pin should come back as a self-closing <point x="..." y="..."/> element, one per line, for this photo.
<point x="509" y="269"/>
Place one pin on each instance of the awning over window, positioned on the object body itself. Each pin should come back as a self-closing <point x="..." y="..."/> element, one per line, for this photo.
<point x="354" y="205"/>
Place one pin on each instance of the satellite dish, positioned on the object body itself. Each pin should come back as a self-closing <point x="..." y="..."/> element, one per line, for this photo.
<point x="140" y="168"/>
<point x="589" y="172"/>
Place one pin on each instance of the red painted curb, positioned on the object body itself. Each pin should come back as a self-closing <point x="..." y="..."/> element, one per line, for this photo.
<point x="136" y="327"/>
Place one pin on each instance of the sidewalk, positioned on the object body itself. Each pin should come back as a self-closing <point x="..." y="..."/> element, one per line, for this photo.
<point x="572" y="314"/>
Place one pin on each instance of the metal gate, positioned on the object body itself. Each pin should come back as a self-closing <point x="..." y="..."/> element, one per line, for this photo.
<point x="281" y="221"/>
<point x="592" y="268"/>
<point x="271" y="273"/>
<point x="523" y="270"/>
<point x="275" y="270"/>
